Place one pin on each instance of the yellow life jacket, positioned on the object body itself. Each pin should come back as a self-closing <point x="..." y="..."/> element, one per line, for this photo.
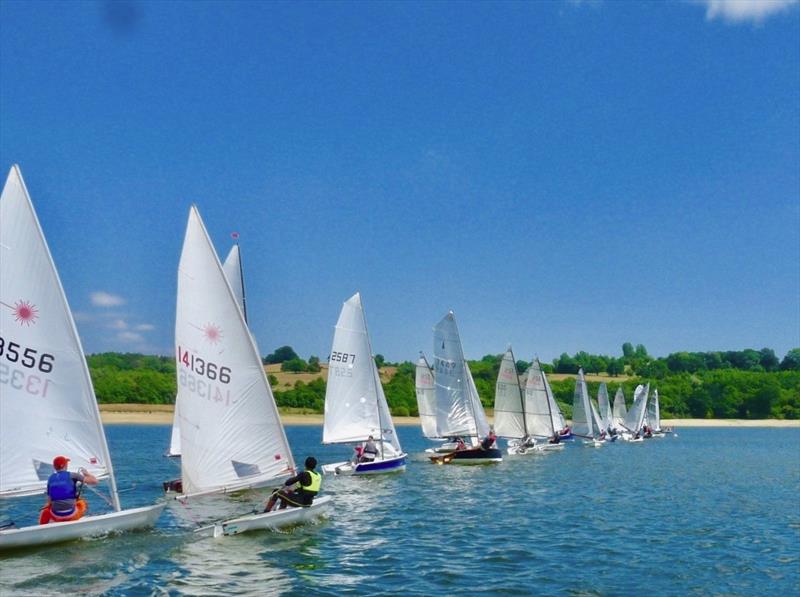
<point x="316" y="482"/>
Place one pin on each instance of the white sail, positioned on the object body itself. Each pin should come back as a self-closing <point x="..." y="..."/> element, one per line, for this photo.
<point x="582" y="418"/>
<point x="654" y="413"/>
<point x="509" y="406"/>
<point x="481" y="422"/>
<point x="426" y="398"/>
<point x="596" y="420"/>
<point x="355" y="405"/>
<point x="620" y="411"/>
<point x="606" y="417"/>
<point x="232" y="267"/>
<point x="635" y="417"/>
<point x="457" y="411"/>
<point x="543" y="414"/>
<point x="233" y="272"/>
<point x="231" y="434"/>
<point x="48" y="407"/>
<point x="175" y="437"/>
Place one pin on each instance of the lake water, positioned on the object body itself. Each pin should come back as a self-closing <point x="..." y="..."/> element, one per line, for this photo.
<point x="711" y="512"/>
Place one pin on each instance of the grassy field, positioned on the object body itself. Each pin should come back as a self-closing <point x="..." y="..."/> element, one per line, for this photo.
<point x="286" y="380"/>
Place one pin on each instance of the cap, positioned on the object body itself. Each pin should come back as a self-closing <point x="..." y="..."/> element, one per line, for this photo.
<point x="60" y="461"/>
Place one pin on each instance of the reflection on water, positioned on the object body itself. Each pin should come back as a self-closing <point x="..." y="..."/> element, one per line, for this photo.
<point x="712" y="512"/>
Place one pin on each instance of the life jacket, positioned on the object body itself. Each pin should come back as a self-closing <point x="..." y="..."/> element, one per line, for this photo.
<point x="316" y="483"/>
<point x="60" y="486"/>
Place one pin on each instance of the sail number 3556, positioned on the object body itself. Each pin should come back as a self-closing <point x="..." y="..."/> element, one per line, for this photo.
<point x="202" y="367"/>
<point x="27" y="357"/>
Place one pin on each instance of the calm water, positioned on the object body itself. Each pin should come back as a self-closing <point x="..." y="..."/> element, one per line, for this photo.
<point x="711" y="512"/>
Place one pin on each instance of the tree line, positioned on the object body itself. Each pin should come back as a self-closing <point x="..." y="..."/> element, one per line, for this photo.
<point x="747" y="384"/>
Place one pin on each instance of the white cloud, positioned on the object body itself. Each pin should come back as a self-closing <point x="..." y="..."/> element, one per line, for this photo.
<point x="105" y="299"/>
<point x="118" y="324"/>
<point x="738" y="11"/>
<point x="132" y="337"/>
<point x="81" y="317"/>
<point x="145" y="327"/>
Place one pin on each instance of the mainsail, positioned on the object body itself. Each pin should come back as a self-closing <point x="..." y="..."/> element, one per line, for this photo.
<point x="48" y="405"/>
<point x="355" y="405"/>
<point x="543" y="414"/>
<point x="606" y="417"/>
<point x="583" y="423"/>
<point x="509" y="401"/>
<point x="231" y="433"/>
<point x="233" y="272"/>
<point x="620" y="411"/>
<point x="654" y="413"/>
<point x="426" y="398"/>
<point x="635" y="417"/>
<point x="459" y="412"/>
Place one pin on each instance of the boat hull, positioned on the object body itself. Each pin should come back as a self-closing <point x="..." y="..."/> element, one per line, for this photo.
<point x="376" y="467"/>
<point x="469" y="457"/>
<point x="267" y="520"/>
<point x="88" y="526"/>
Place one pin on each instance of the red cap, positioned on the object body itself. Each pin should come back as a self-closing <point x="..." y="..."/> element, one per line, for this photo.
<point x="60" y="462"/>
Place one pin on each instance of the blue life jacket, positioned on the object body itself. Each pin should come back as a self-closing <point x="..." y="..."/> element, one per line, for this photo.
<point x="60" y="486"/>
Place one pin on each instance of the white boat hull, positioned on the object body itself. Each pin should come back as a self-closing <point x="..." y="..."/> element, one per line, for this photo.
<point x="267" y="520"/>
<point x="88" y="526"/>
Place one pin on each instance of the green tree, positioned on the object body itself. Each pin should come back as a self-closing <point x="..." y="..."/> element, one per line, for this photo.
<point x="379" y="360"/>
<point x="627" y="350"/>
<point x="791" y="362"/>
<point x="313" y="364"/>
<point x="284" y="353"/>
<point x="296" y="365"/>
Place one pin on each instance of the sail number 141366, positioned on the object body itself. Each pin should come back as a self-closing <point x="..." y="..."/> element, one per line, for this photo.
<point x="202" y="367"/>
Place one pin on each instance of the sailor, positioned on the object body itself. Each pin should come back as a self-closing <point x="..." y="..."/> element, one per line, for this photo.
<point x="63" y="497"/>
<point x="298" y="490"/>
<point x="489" y="440"/>
<point x="370" y="452"/>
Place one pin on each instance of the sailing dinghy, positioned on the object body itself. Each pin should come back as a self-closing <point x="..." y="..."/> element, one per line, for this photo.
<point x="653" y="418"/>
<point x="585" y="420"/>
<point x="619" y="411"/>
<point x="48" y="406"/>
<point x="355" y="405"/>
<point x="232" y="438"/>
<point x="512" y="409"/>
<point x="543" y="414"/>
<point x="457" y="399"/>
<point x="634" y="420"/>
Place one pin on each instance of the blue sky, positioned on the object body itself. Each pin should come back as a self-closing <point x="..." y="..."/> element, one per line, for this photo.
<point x="563" y="175"/>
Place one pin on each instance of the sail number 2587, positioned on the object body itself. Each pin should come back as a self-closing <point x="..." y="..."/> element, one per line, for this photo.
<point x="343" y="357"/>
<point x="202" y="367"/>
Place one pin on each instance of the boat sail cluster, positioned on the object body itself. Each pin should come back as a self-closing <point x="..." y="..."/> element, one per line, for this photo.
<point x="227" y="431"/>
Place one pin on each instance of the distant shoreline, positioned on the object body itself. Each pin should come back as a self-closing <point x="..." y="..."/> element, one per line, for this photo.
<point x="161" y="414"/>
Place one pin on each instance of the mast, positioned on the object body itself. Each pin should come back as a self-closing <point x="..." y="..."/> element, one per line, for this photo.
<point x="521" y="394"/>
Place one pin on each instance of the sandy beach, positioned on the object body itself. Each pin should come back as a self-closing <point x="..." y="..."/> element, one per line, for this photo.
<point x="161" y="414"/>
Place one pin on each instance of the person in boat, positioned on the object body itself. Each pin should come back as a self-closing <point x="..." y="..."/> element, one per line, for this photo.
<point x="566" y="431"/>
<point x="460" y="445"/>
<point x="556" y="439"/>
<point x="63" y="496"/>
<point x="358" y="451"/>
<point x="489" y="440"/>
<point x="370" y="451"/>
<point x="299" y="490"/>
